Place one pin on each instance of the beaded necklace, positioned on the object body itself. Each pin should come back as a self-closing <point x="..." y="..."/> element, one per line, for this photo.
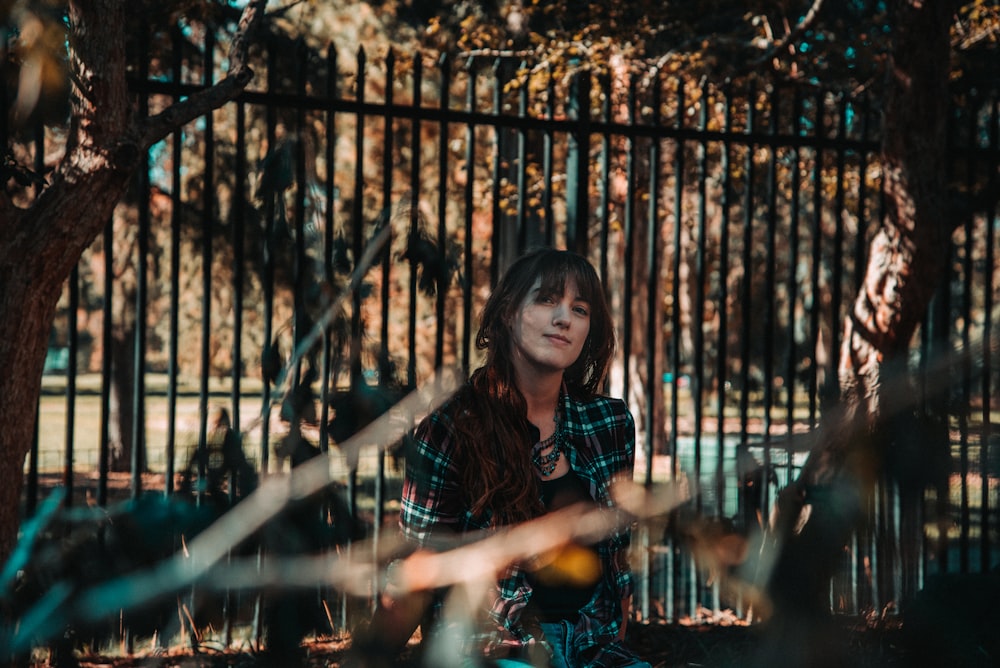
<point x="546" y="464"/>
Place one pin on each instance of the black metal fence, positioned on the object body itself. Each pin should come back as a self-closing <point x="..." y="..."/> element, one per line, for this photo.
<point x="730" y="223"/>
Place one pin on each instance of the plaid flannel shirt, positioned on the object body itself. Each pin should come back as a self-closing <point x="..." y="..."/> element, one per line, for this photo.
<point x="600" y="446"/>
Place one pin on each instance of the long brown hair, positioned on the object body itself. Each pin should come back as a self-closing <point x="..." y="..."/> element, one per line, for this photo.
<point x="491" y="416"/>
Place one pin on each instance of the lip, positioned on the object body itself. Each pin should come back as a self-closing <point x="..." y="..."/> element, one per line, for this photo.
<point x="558" y="338"/>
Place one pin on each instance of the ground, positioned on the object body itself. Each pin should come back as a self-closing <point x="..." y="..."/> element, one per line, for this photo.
<point x="663" y="645"/>
<point x="952" y="622"/>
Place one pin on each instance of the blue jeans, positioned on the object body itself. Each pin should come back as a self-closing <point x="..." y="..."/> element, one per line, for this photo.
<point x="559" y="634"/>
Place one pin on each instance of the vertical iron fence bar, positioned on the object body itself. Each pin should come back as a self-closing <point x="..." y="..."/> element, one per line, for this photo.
<point x="605" y="183"/>
<point x="71" y="369"/>
<point x="388" y="160"/>
<point x="415" y="151"/>
<point x="547" y="149"/>
<point x="653" y="308"/>
<point x="329" y="189"/>
<point x="139" y="361"/>
<point x="469" y="192"/>
<point x="902" y="574"/>
<point x="837" y="298"/>
<point x="177" y="144"/>
<point x="989" y="264"/>
<point x="698" y="319"/>
<point x="698" y="299"/>
<point x="578" y="165"/>
<point x="631" y="158"/>
<point x="357" y="249"/>
<point x="628" y="253"/>
<point x="938" y="345"/>
<point x="238" y="214"/>
<point x="239" y="259"/>
<point x="301" y="321"/>
<point x="175" y="268"/>
<point x="791" y="358"/>
<point x="878" y="527"/>
<point x="770" y="281"/>
<point x="746" y="259"/>
<point x="106" y="343"/>
<point x="523" y="237"/>
<point x="444" y="64"/>
<point x="961" y="406"/>
<point x="499" y="251"/>
<point x="722" y="352"/>
<point x="654" y="385"/>
<point x="208" y="200"/>
<point x="965" y="367"/>
<point x="682" y="569"/>
<point x="675" y="297"/>
<point x="965" y="408"/>
<point x="271" y="353"/>
<point x="721" y="359"/>
<point x="5" y="40"/>
<point x="816" y="264"/>
<point x="357" y="241"/>
<point x="139" y="455"/>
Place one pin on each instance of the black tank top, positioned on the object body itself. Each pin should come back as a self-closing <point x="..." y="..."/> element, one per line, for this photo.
<point x="561" y="588"/>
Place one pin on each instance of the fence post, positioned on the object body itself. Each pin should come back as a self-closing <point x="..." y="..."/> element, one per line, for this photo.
<point x="578" y="164"/>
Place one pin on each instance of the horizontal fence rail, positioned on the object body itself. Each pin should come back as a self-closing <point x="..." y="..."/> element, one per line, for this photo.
<point x="730" y="224"/>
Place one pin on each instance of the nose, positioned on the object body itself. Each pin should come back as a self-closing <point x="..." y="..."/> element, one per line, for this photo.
<point x="560" y="316"/>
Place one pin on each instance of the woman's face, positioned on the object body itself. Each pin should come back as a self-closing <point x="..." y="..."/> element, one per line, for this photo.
<point x="549" y="330"/>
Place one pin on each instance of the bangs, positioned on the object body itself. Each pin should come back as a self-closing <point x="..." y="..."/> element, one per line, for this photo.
<point x="553" y="277"/>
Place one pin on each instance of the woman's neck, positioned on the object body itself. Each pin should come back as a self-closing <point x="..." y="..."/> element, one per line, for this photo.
<point x="541" y="394"/>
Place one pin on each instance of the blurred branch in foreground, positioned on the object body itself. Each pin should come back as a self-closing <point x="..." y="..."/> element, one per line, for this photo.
<point x="72" y="602"/>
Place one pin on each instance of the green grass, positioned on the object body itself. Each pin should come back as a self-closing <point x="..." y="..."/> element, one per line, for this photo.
<point x="52" y="434"/>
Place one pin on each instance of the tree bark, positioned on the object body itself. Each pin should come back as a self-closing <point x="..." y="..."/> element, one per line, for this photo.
<point x="907" y="260"/>
<point x="40" y="244"/>
<point x="907" y="257"/>
<point x="44" y="242"/>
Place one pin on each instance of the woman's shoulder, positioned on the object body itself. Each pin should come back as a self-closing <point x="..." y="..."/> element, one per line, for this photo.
<point x="600" y="401"/>
<point x="601" y="409"/>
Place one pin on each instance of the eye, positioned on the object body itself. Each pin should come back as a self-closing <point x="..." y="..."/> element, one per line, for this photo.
<point x="546" y="299"/>
<point x="582" y="310"/>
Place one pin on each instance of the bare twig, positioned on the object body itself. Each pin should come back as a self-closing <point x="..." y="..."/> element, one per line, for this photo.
<point x="155" y="128"/>
<point x="803" y="25"/>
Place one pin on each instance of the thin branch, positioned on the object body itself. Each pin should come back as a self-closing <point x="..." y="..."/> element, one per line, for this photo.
<point x="155" y="128"/>
<point x="803" y="25"/>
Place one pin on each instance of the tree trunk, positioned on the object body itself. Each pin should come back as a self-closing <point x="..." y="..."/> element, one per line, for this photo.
<point x="908" y="256"/>
<point x="34" y="265"/>
<point x="906" y="262"/>
<point x="40" y="245"/>
<point x="23" y="339"/>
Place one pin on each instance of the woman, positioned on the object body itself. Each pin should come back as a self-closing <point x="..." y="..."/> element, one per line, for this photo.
<point x="529" y="433"/>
